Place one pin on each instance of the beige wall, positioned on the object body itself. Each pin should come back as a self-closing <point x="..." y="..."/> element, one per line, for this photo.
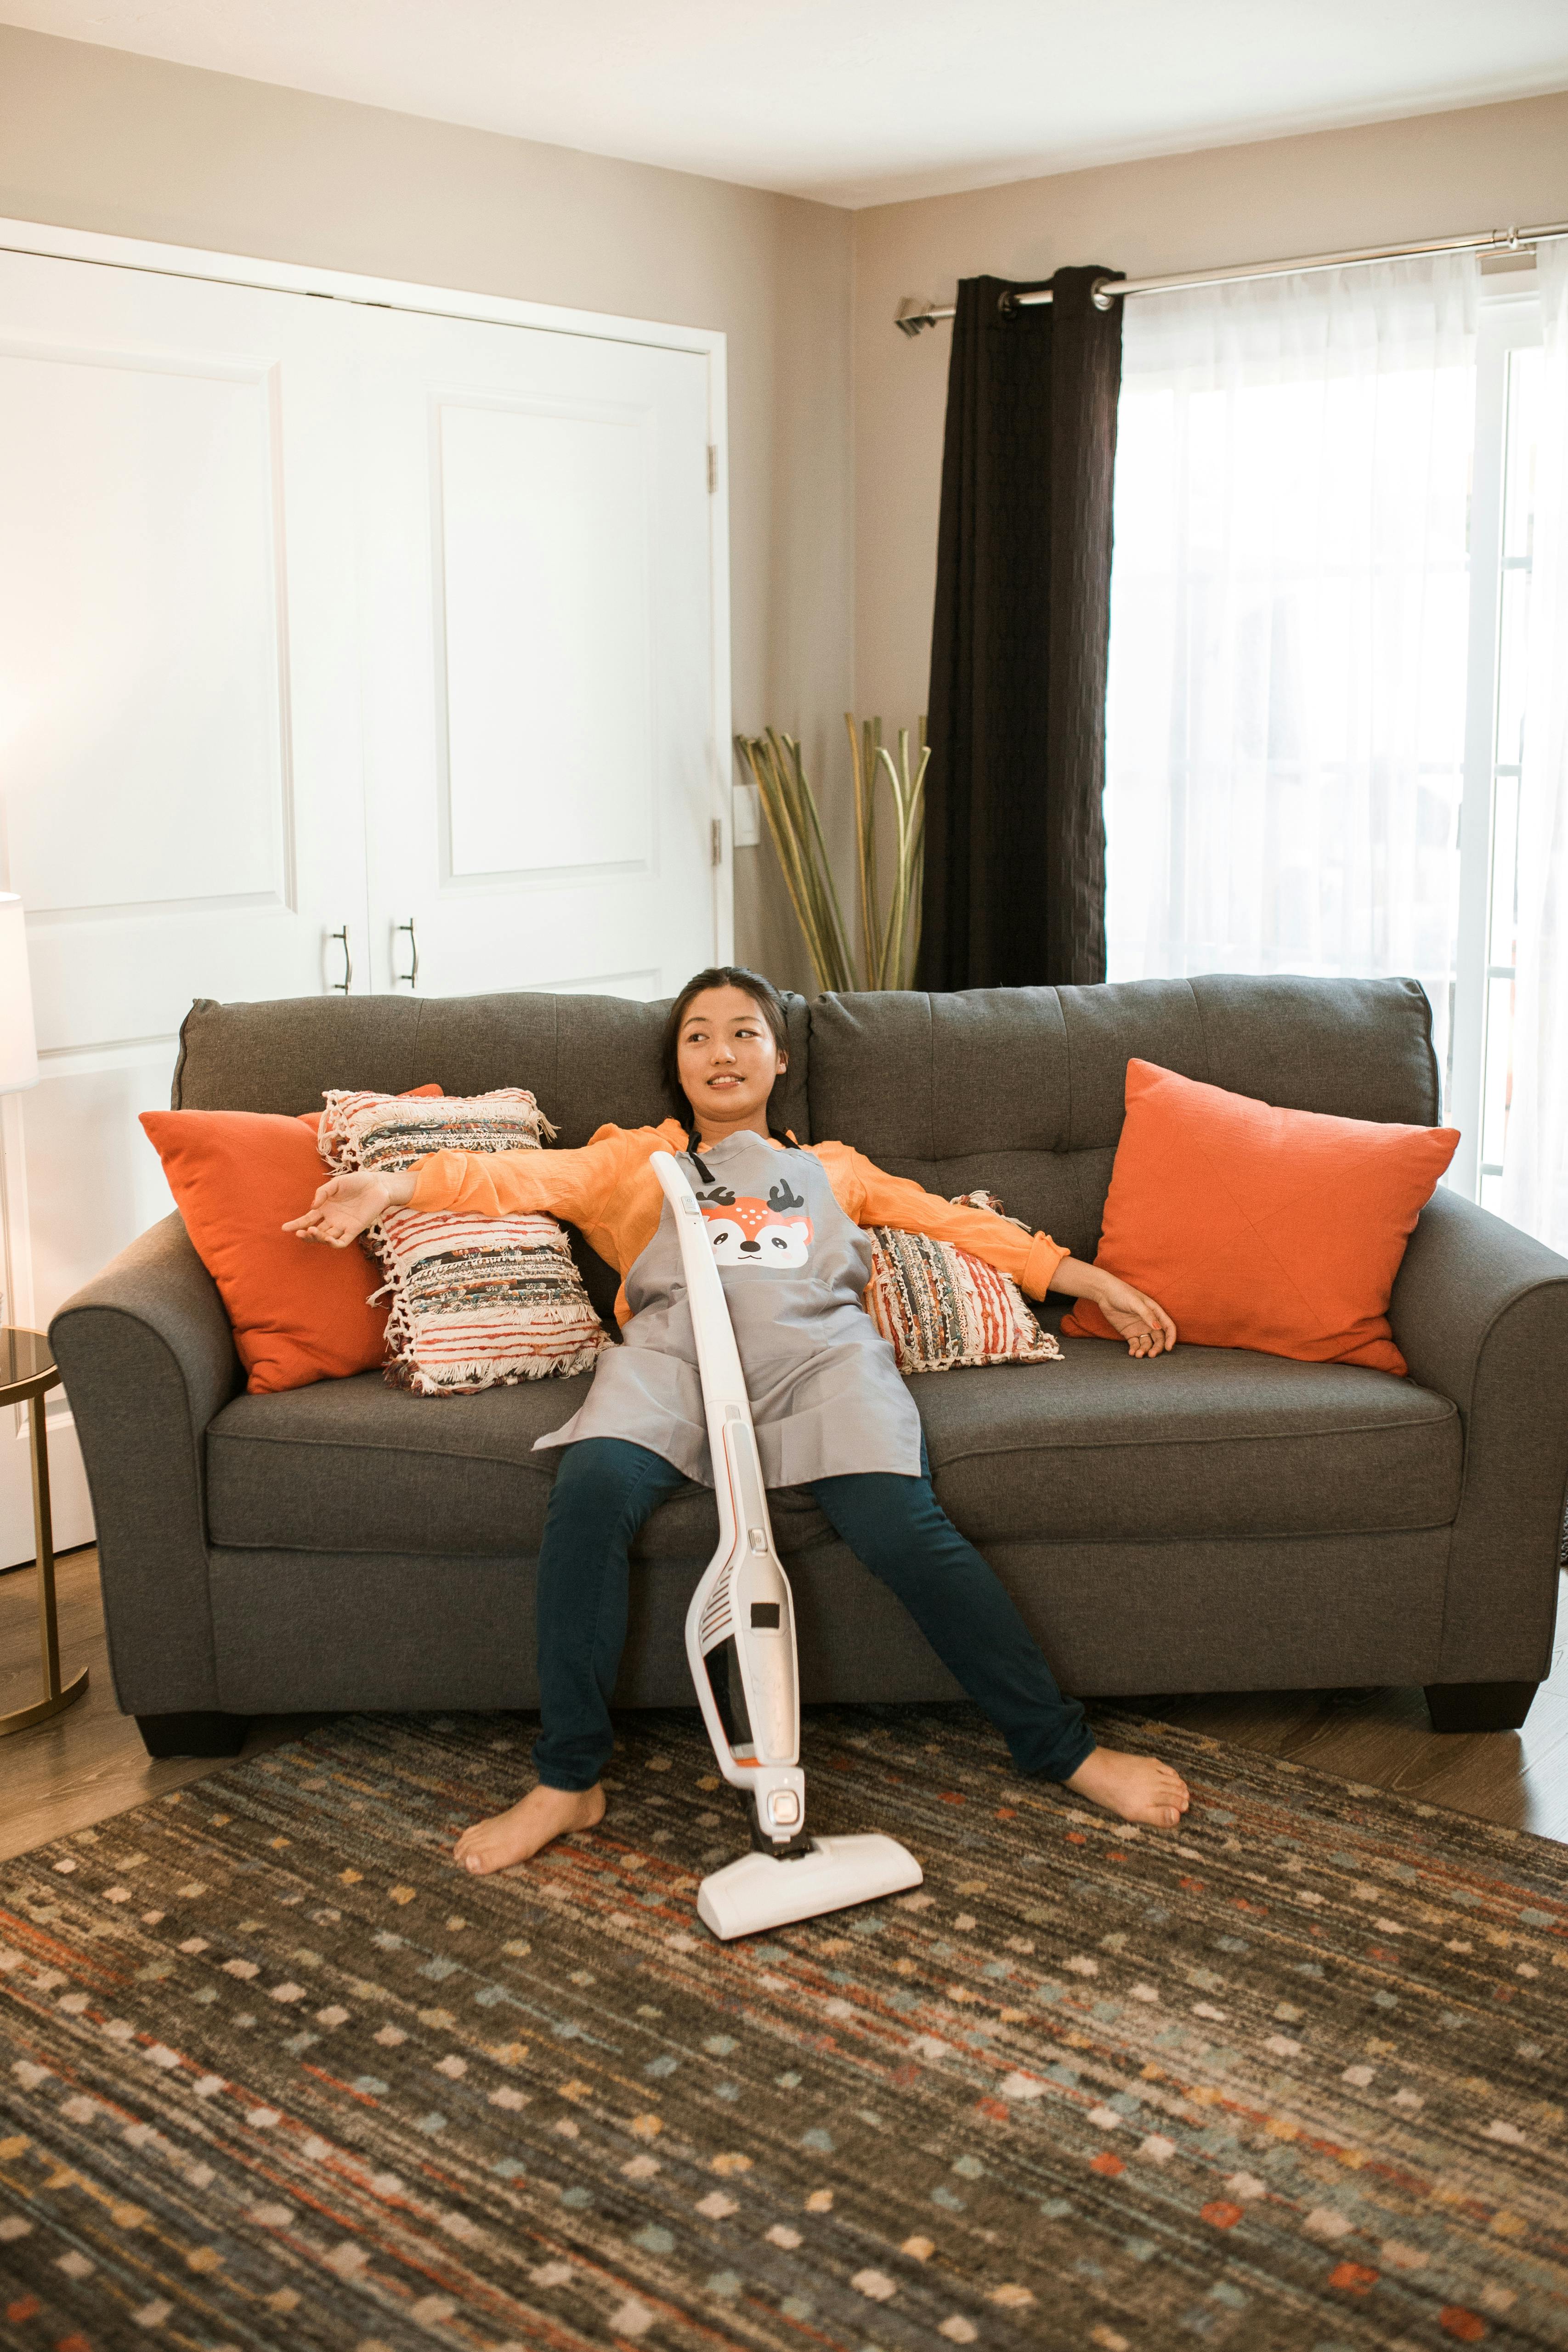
<point x="1434" y="175"/>
<point x="835" y="419"/>
<point x="94" y="138"/>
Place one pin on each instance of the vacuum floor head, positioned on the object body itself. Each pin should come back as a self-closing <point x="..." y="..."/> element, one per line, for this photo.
<point x="758" y="1892"/>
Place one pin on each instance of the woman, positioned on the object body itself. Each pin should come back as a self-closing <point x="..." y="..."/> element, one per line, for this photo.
<point x="831" y="1412"/>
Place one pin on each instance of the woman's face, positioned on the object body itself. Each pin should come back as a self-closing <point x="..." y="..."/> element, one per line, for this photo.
<point x="728" y="1059"/>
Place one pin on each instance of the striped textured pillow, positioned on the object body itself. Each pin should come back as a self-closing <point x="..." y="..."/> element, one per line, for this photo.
<point x="476" y="1302"/>
<point x="943" y="1307"/>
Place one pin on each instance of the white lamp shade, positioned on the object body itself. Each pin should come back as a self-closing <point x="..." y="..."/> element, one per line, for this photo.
<point x="18" y="1047"/>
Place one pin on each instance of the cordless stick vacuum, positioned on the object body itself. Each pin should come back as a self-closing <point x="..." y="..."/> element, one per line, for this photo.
<point x="740" y="1643"/>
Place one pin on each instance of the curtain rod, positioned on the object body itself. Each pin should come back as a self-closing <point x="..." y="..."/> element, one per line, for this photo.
<point x="913" y="315"/>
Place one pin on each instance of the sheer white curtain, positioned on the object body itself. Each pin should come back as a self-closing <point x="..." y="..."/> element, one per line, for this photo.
<point x="1536" y="1166"/>
<point x="1289" y="625"/>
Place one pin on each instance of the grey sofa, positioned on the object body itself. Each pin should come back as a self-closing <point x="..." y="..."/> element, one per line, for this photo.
<point x="1216" y="1519"/>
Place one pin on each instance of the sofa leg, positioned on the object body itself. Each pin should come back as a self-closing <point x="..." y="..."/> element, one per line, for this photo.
<point x="1479" y="1707"/>
<point x="192" y="1734"/>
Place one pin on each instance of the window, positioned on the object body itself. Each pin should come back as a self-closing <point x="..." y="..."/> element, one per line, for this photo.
<point x="1319" y="616"/>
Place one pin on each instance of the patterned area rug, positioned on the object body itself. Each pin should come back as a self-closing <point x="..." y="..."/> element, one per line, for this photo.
<point x="275" y="2073"/>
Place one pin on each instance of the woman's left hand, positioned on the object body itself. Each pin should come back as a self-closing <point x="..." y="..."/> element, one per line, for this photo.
<point x="1134" y="1316"/>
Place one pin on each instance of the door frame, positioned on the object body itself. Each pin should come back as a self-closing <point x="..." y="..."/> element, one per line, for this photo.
<point x="709" y="344"/>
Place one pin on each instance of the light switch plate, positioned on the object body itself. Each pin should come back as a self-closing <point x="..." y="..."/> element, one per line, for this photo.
<point x="747" y="817"/>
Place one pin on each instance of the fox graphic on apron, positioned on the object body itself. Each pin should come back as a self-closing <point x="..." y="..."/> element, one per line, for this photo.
<point x="826" y="1397"/>
<point x="775" y="1232"/>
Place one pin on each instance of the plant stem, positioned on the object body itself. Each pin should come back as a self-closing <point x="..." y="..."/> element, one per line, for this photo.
<point x="889" y="944"/>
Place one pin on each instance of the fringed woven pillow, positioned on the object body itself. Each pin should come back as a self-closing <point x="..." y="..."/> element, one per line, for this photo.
<point x="476" y="1302"/>
<point x="943" y="1307"/>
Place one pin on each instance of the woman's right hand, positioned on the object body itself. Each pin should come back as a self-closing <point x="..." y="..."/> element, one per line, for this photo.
<point x="345" y="1205"/>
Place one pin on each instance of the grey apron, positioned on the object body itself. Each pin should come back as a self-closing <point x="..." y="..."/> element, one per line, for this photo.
<point x="826" y="1396"/>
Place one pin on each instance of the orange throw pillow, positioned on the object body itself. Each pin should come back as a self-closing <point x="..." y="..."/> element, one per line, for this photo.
<point x="1278" y="1229"/>
<point x="300" y="1312"/>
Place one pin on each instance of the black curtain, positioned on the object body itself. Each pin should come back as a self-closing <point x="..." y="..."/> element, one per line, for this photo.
<point x="1015" y="842"/>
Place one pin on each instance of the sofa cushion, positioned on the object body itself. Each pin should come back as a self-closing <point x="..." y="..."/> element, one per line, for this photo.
<point x="587" y="1058"/>
<point x="939" y="1306"/>
<point x="1258" y="1227"/>
<point x="476" y="1302"/>
<point x="297" y="1314"/>
<point x="374" y="1469"/>
<point x="1205" y="1442"/>
<point x="1020" y="1090"/>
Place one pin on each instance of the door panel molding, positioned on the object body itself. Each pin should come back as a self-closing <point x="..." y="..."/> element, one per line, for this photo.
<point x="137" y="910"/>
<point x="138" y="474"/>
<point x="531" y="531"/>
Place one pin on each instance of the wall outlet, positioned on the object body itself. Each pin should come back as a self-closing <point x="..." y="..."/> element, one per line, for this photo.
<point x="747" y="817"/>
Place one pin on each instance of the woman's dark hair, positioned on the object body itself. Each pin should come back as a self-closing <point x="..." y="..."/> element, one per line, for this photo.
<point x="763" y="994"/>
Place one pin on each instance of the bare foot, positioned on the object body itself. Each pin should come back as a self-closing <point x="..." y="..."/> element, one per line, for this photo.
<point x="516" y="1836"/>
<point x="1139" y="1788"/>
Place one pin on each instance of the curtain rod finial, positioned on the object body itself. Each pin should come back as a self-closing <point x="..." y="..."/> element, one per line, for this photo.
<point x="915" y="313"/>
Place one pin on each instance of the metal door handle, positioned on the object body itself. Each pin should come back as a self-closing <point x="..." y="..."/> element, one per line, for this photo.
<point x="412" y="975"/>
<point x="342" y="987"/>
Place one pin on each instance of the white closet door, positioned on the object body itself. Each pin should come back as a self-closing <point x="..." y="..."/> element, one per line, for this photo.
<point x="281" y="575"/>
<point x="542" y="773"/>
<point x="181" y="801"/>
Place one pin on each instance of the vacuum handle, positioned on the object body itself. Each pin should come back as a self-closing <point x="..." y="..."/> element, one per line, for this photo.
<point x="718" y="1357"/>
<point x="746" y="1560"/>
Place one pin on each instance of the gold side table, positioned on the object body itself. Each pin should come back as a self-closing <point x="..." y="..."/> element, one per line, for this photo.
<point x="27" y="1372"/>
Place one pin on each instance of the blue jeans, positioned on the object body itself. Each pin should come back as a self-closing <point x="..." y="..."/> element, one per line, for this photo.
<point x="606" y="1488"/>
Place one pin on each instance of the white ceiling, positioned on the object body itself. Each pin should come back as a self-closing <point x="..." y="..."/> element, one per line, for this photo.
<point x="861" y="102"/>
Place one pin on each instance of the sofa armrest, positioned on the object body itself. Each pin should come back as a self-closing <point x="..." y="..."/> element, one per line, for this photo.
<point x="1480" y="1313"/>
<point x="147" y="1358"/>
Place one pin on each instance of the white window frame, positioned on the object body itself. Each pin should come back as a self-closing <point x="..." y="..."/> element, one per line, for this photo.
<point x="1509" y="320"/>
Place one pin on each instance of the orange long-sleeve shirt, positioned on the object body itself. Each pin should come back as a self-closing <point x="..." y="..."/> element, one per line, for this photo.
<point x="612" y="1195"/>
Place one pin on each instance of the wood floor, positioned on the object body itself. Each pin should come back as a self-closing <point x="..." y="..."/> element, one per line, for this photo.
<point x="90" y="1762"/>
<point x="1518" y="1779"/>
